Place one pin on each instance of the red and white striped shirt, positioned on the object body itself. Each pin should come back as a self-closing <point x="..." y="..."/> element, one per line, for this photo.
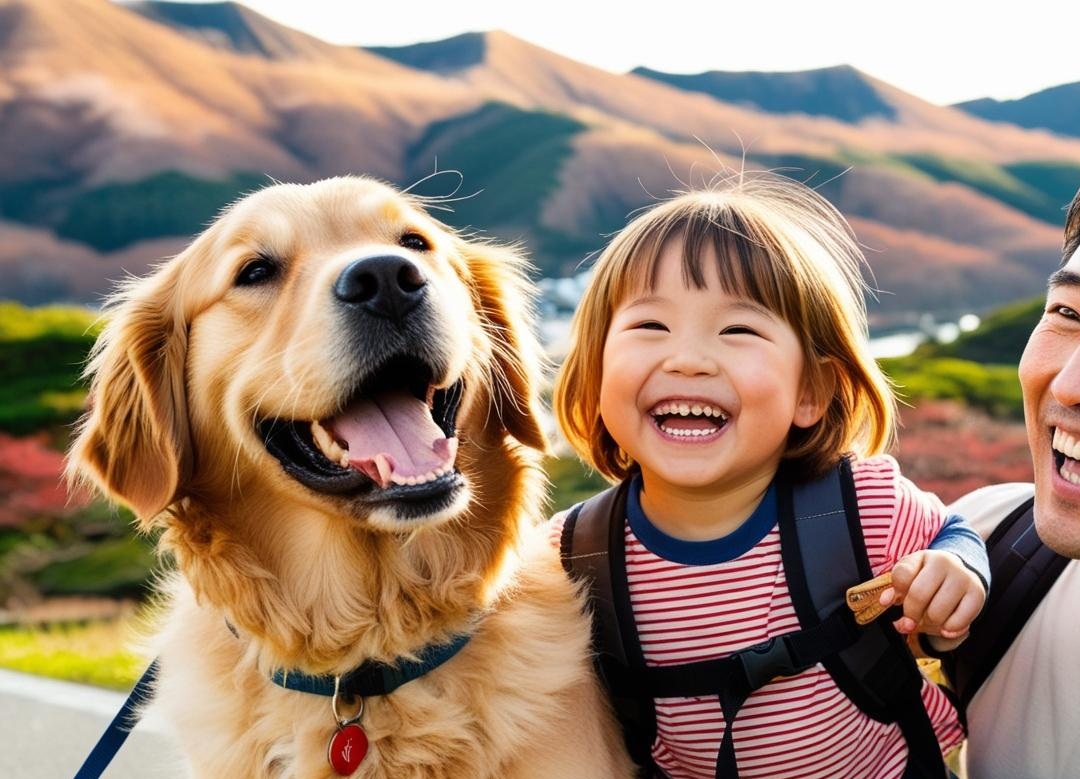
<point x="704" y="600"/>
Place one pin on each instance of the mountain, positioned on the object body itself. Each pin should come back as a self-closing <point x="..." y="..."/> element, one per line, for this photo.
<point x="447" y="56"/>
<point x="136" y="123"/>
<point x="840" y="92"/>
<point x="94" y="92"/>
<point x="1056" y="108"/>
<point x="234" y="27"/>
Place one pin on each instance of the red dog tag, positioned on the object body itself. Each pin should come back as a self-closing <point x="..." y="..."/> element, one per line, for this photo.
<point x="348" y="747"/>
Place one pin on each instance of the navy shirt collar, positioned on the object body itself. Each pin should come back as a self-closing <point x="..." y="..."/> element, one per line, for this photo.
<point x="717" y="550"/>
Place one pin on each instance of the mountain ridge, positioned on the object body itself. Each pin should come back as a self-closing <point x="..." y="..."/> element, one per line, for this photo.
<point x="1056" y="108"/>
<point x="136" y="123"/>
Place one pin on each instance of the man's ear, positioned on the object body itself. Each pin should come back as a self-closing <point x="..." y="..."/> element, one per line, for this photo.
<point x="819" y="386"/>
<point x="132" y="443"/>
<point x="499" y="287"/>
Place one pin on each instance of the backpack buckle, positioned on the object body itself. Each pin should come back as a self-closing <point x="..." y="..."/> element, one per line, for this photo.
<point x="768" y="660"/>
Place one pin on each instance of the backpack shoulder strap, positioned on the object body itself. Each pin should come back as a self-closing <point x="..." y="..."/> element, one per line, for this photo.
<point x="585" y="553"/>
<point x="592" y="549"/>
<point x="824" y="552"/>
<point x="1022" y="570"/>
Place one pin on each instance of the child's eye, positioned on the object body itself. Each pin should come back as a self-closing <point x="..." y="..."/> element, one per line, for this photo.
<point x="738" y="330"/>
<point x="650" y="325"/>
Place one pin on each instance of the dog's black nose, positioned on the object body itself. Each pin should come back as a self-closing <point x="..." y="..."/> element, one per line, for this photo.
<point x="389" y="286"/>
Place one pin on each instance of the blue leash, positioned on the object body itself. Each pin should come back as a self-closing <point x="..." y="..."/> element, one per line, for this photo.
<point x="117" y="732"/>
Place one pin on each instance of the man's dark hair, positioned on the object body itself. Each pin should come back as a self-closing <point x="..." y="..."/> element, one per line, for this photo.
<point x="1072" y="229"/>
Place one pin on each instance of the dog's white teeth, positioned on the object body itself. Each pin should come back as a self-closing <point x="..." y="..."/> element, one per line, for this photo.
<point x="328" y="446"/>
<point x="412" y="481"/>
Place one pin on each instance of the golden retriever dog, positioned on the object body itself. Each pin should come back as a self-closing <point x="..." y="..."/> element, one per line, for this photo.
<point x="328" y="405"/>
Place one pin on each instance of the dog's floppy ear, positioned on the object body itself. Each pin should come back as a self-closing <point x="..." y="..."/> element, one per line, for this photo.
<point x="505" y="307"/>
<point x="132" y="442"/>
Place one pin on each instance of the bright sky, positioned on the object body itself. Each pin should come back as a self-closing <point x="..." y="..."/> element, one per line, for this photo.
<point x="944" y="51"/>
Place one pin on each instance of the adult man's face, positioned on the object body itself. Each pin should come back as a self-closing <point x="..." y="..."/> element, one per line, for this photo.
<point x="1050" y="378"/>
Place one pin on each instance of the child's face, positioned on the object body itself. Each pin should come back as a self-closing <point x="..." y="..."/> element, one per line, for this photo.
<point x="699" y="386"/>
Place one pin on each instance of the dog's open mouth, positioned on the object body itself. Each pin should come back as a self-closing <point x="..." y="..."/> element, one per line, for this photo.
<point x="393" y="440"/>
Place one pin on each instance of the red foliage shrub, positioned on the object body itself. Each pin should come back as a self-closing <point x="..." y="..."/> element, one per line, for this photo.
<point x="31" y="482"/>
<point x="950" y="449"/>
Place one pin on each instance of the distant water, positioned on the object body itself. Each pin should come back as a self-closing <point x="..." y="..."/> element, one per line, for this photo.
<point x="904" y="342"/>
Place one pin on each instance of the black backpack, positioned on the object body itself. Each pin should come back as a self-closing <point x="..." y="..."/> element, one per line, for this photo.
<point x="1022" y="571"/>
<point x="823" y="553"/>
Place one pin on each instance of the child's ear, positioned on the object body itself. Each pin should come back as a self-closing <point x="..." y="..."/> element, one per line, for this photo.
<point x="819" y="386"/>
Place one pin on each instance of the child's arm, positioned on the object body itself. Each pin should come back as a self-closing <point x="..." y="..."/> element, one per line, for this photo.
<point x="942" y="588"/>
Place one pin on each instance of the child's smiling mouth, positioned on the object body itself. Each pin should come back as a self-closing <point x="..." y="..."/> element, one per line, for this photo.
<point x="688" y="418"/>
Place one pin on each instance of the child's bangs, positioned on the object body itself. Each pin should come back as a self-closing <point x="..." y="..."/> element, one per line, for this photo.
<point x="749" y="261"/>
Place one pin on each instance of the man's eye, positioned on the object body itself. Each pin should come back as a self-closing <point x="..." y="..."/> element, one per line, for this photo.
<point x="1065" y="311"/>
<point x="1068" y="312"/>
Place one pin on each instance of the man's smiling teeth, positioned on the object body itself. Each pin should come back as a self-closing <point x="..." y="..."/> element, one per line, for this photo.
<point x="1067" y="444"/>
<point x="683" y="409"/>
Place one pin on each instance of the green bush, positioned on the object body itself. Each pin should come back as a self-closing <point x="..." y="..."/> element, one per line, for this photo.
<point x="992" y="388"/>
<point x="571" y="482"/>
<point x="42" y="354"/>
<point x="91" y="654"/>
<point x="118" y="568"/>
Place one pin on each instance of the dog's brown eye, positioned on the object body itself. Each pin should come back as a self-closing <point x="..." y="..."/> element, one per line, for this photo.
<point x="258" y="271"/>
<point x="415" y="241"/>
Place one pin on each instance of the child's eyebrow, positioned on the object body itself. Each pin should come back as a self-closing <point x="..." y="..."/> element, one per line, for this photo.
<point x="749" y="306"/>
<point x="754" y="308"/>
<point x="642" y="301"/>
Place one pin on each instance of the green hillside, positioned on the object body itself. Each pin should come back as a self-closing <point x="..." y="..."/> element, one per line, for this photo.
<point x="510" y="159"/>
<point x="999" y="339"/>
<point x="978" y="368"/>
<point x="171" y="203"/>
<point x="42" y="353"/>
<point x="1039" y="189"/>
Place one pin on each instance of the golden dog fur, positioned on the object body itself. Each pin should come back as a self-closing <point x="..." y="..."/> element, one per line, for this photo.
<point x="273" y="575"/>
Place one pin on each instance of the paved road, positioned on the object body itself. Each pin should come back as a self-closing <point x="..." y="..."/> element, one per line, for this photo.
<point x="47" y="728"/>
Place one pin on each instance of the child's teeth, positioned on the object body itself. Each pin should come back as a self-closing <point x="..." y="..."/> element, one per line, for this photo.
<point x="688" y="409"/>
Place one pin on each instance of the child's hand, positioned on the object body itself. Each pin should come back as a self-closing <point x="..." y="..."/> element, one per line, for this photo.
<point x="941" y="597"/>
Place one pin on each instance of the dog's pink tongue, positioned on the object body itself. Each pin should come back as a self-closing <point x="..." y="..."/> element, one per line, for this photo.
<point x="393" y="435"/>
